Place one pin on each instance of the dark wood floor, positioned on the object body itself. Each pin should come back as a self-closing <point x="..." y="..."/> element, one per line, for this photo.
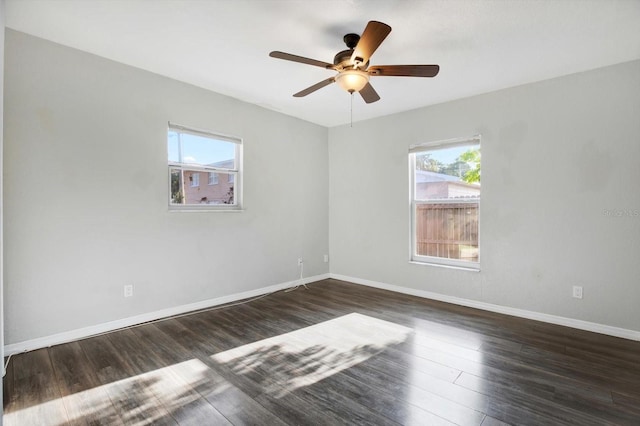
<point x="337" y="353"/>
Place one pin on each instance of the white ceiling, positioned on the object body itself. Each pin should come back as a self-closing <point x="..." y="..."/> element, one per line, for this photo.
<point x="223" y="45"/>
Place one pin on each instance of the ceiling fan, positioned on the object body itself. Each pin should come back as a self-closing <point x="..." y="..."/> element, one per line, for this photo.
<point x="353" y="67"/>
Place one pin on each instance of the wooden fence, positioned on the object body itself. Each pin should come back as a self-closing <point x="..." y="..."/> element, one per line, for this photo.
<point x="447" y="230"/>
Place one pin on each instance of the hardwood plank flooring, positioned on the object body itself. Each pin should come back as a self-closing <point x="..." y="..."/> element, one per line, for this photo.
<point x="31" y="382"/>
<point x="337" y="353"/>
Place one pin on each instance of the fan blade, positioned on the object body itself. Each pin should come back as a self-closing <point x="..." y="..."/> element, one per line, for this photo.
<point x="373" y="35"/>
<point x="315" y="87"/>
<point x="300" y="59"/>
<point x="405" y="70"/>
<point x="369" y="94"/>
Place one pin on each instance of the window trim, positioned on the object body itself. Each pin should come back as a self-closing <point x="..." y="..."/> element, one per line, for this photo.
<point x="237" y="171"/>
<point x="413" y="203"/>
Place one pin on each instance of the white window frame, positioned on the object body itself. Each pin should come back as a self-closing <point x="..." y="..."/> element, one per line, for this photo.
<point x="235" y="172"/>
<point x="433" y="260"/>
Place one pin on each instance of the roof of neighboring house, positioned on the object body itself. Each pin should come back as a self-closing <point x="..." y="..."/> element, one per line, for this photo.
<point x="426" y="176"/>
<point x="224" y="163"/>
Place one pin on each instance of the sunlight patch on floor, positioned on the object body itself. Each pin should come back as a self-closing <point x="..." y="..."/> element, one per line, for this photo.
<point x="283" y="363"/>
<point x="308" y="355"/>
<point x="140" y="400"/>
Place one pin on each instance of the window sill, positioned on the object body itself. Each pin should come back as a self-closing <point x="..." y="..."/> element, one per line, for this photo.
<point x="470" y="268"/>
<point x="196" y="209"/>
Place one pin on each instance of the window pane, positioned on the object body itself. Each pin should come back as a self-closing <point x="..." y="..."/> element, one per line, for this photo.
<point x="173" y="147"/>
<point x="221" y="193"/>
<point x="207" y="151"/>
<point x="176" y="187"/>
<point x="447" y="230"/>
<point x="448" y="173"/>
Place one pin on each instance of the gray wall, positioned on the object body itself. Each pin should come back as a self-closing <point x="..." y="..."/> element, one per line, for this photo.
<point x="86" y="194"/>
<point x="556" y="155"/>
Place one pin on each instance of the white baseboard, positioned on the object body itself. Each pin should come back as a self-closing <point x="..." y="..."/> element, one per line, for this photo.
<point x="81" y="333"/>
<point x="537" y="316"/>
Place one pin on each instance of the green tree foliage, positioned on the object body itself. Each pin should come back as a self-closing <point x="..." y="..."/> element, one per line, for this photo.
<point x="428" y="164"/>
<point x="465" y="167"/>
<point x="176" y="191"/>
<point x="229" y="199"/>
<point x="471" y="157"/>
<point x="458" y="168"/>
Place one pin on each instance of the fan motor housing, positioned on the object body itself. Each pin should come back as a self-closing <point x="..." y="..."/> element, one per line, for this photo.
<point x="343" y="59"/>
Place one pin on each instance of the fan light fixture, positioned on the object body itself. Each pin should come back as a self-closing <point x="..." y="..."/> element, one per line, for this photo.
<point x="352" y="80"/>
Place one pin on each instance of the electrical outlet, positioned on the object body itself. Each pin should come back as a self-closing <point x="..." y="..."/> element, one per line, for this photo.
<point x="326" y="258"/>
<point x="128" y="290"/>
<point x="577" y="291"/>
<point x="300" y="261"/>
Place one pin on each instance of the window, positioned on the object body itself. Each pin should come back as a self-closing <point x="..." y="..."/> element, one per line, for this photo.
<point x="192" y="152"/>
<point x="445" y="202"/>
<point x="213" y="178"/>
<point x="195" y="179"/>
